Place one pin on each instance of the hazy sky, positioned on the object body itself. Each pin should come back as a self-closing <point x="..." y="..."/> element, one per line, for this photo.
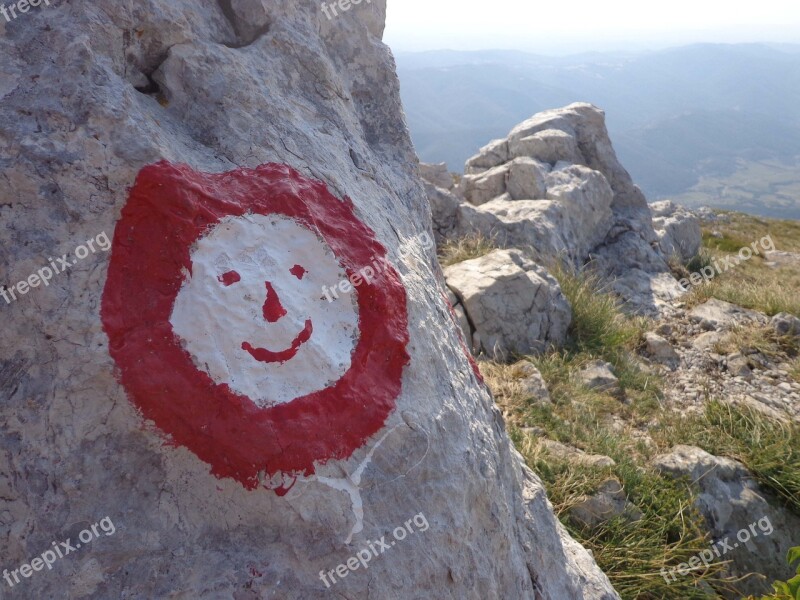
<point x="580" y="25"/>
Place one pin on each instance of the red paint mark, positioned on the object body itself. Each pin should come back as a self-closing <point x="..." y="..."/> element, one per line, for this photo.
<point x="266" y="356"/>
<point x="273" y="309"/>
<point x="298" y="271"/>
<point x="169" y="209"/>
<point x="229" y="278"/>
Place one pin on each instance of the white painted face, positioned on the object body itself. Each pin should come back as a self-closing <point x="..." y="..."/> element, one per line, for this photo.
<point x="253" y="314"/>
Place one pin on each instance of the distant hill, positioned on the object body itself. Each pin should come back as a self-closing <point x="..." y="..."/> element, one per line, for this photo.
<point x="710" y="123"/>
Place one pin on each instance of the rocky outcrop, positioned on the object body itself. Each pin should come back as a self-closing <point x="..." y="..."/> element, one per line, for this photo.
<point x="513" y="305"/>
<point x="166" y="118"/>
<point x="751" y="530"/>
<point x="554" y="185"/>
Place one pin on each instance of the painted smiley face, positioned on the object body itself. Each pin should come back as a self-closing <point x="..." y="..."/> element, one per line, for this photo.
<point x="252" y="314"/>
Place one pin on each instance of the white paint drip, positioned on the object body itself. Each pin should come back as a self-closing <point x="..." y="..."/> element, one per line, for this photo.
<point x="351" y="483"/>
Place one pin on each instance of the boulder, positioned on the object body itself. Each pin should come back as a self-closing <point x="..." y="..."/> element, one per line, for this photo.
<point x="158" y="126"/>
<point x="491" y="155"/>
<point x="485" y="186"/>
<point x="437" y="175"/>
<point x="678" y="230"/>
<point x="738" y="511"/>
<point x="515" y="306"/>
<point x="715" y="315"/>
<point x="526" y="179"/>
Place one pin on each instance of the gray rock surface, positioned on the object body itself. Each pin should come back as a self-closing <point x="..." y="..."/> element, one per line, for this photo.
<point x="514" y="305"/>
<point x="733" y="504"/>
<point x="678" y="230"/>
<point x="91" y="93"/>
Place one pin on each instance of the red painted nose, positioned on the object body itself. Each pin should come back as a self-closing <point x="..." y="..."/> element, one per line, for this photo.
<point x="273" y="309"/>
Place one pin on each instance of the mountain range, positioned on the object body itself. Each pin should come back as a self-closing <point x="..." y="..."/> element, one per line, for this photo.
<point x="708" y="124"/>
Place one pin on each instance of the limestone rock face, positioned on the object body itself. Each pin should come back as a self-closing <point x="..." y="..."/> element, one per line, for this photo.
<point x="92" y="94"/>
<point x="513" y="304"/>
<point x="736" y="509"/>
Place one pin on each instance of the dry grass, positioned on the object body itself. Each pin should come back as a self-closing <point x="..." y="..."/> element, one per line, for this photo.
<point x="465" y="248"/>
<point x="751" y="283"/>
<point x="749" y="339"/>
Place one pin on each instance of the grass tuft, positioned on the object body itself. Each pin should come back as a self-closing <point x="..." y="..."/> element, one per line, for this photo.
<point x="465" y="248"/>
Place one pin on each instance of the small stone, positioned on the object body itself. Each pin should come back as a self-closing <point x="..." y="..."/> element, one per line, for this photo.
<point x="785" y="324"/>
<point x="608" y="502"/>
<point x="738" y="366"/>
<point x="532" y="382"/>
<point x="661" y="350"/>
<point x="598" y="376"/>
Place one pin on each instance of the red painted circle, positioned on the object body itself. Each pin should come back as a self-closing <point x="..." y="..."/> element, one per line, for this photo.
<point x="169" y="209"/>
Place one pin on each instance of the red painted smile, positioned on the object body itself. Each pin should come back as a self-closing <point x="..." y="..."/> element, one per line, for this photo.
<point x="267" y="356"/>
<point x="273" y="311"/>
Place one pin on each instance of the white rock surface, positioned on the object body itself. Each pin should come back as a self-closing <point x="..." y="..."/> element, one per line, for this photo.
<point x="678" y="230"/>
<point x="514" y="305"/>
<point x="262" y="81"/>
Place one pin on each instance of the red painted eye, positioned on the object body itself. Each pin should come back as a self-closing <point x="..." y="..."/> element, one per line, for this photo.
<point x="298" y="271"/>
<point x="229" y="278"/>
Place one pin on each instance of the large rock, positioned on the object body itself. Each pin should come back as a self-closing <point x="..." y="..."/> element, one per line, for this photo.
<point x="738" y="511"/>
<point x="595" y="212"/>
<point x="514" y="305"/>
<point x="90" y="96"/>
<point x="678" y="230"/>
